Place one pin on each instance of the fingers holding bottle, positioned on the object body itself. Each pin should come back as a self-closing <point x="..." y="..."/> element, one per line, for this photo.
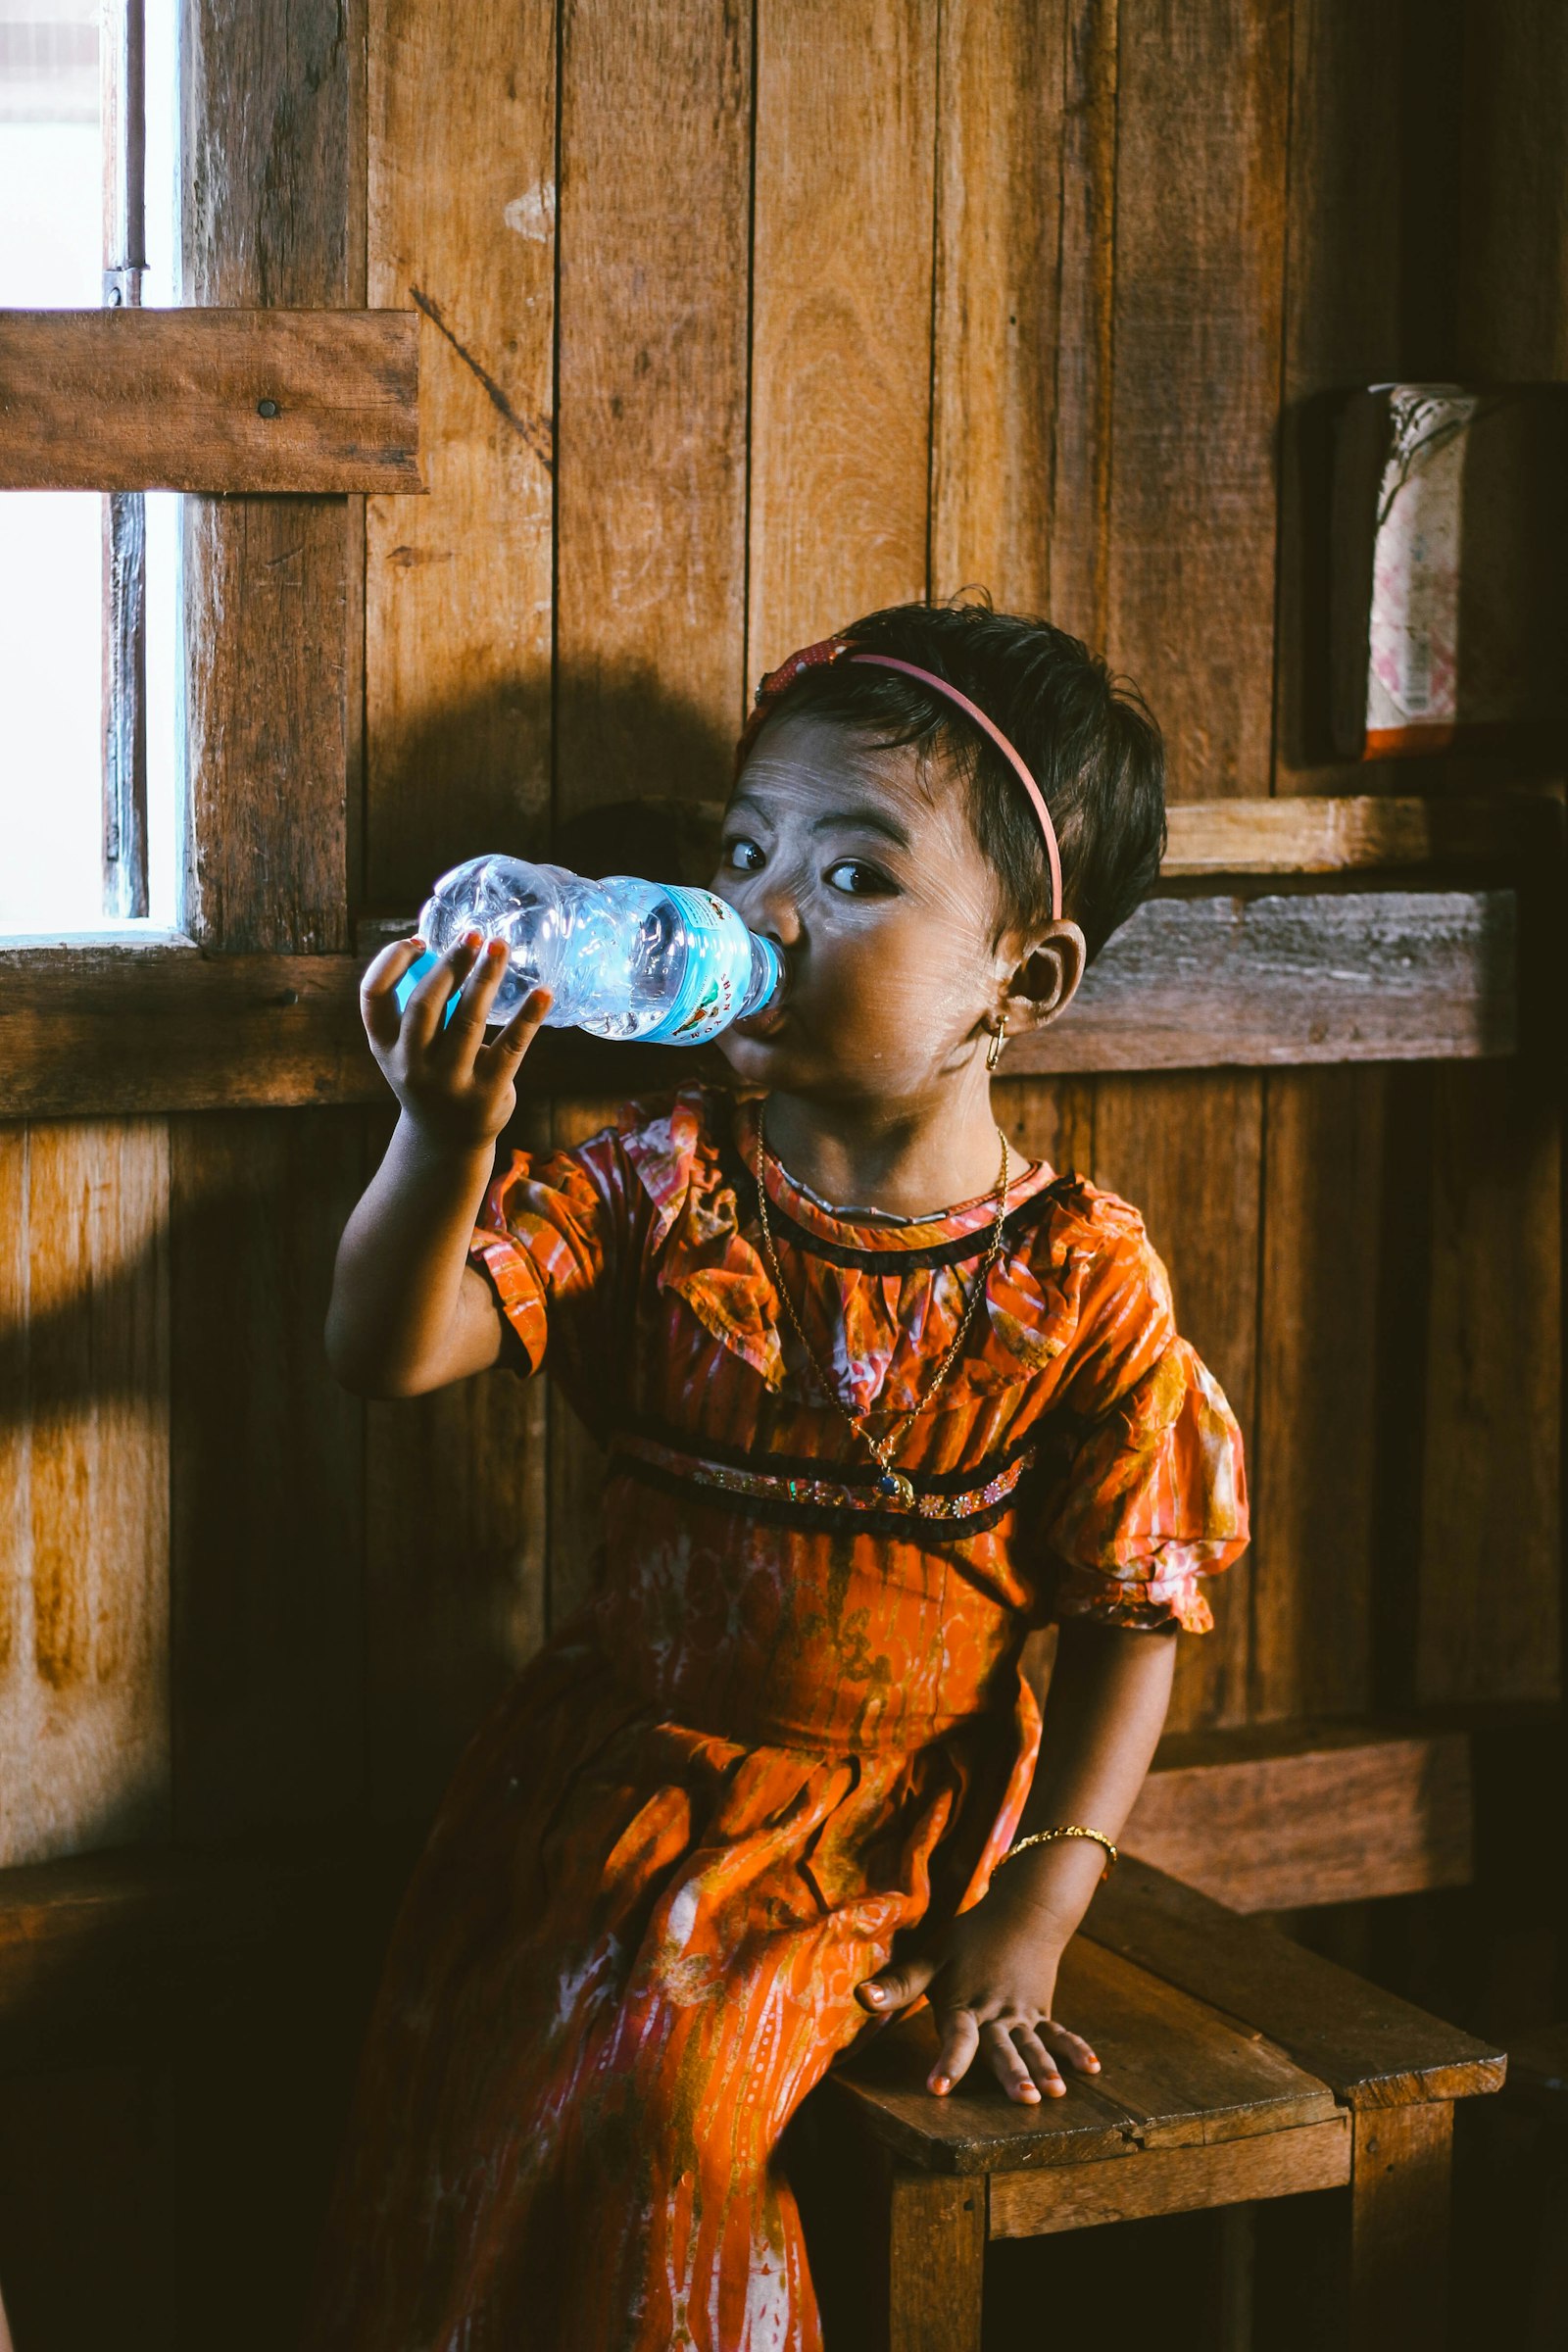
<point x="453" y="1086"/>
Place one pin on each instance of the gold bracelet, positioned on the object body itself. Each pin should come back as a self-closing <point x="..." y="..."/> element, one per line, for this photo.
<point x="1071" y="1829"/>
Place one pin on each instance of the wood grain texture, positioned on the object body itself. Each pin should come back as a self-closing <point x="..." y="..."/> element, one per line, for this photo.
<point x="1280" y="2164"/>
<point x="656" y="158"/>
<point x="461" y="224"/>
<point x="265" y="135"/>
<point x="1185" y="1150"/>
<point x="1316" y="1473"/>
<point x="1084" y="361"/>
<point x="84" y="1743"/>
<point x="1322" y="836"/>
<point x="266" y="723"/>
<point x="266" y="1559"/>
<point x="1491" y="1513"/>
<point x="1343" y="326"/>
<point x="1188" y="984"/>
<point x="1373" y="976"/>
<point x="1271" y="1815"/>
<point x="1371" y="2049"/>
<point x="459" y="601"/>
<point x="1201" y="111"/>
<point x="1189" y="562"/>
<point x="997" y="328"/>
<point x="163" y="1027"/>
<point x="209" y="400"/>
<point x="934" y="2263"/>
<point x="1175" y="2075"/>
<point x="841" y="327"/>
<point x="1400" y="2207"/>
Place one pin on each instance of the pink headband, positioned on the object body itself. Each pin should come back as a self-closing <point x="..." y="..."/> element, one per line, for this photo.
<point x="832" y="649"/>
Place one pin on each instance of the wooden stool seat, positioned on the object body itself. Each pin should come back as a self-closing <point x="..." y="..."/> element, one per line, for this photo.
<point x="1235" y="2066"/>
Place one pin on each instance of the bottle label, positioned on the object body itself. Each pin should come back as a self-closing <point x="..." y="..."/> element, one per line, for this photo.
<point x="719" y="967"/>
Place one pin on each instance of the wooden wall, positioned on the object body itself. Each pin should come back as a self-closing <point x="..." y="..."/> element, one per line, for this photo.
<point x="739" y="324"/>
<point x="742" y="319"/>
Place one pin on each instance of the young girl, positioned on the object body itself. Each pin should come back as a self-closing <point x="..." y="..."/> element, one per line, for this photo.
<point x="879" y="1395"/>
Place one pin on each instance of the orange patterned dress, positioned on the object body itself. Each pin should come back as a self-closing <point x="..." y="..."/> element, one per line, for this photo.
<point x="788" y="1723"/>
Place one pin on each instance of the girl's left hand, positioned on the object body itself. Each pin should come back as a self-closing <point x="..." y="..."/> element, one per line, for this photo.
<point x="990" y="1975"/>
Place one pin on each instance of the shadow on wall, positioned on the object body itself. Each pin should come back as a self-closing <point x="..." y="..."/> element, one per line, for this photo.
<point x="258" y="1199"/>
<point x="484" y="773"/>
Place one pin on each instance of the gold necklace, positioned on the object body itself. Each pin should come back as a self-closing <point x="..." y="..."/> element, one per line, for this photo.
<point x="892" y="1482"/>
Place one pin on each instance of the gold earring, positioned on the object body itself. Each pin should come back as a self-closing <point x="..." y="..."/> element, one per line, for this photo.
<point x="998" y="1037"/>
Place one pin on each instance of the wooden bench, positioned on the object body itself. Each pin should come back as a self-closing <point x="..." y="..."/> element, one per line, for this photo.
<point x="1236" y="2066"/>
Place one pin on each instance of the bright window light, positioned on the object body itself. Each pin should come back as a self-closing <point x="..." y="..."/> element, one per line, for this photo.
<point x="51" y="542"/>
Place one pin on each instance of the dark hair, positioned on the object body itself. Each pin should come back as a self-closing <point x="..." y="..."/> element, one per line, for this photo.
<point x="1088" y="739"/>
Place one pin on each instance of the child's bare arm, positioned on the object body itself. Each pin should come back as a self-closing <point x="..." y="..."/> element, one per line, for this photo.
<point x="408" y="1312"/>
<point x="991" y="1974"/>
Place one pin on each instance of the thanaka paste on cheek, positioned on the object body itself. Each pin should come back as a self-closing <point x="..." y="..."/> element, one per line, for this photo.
<point x="889" y="987"/>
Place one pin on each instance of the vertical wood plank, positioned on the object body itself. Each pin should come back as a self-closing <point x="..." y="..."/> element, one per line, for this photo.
<point x="1196" y="308"/>
<point x="267" y="609"/>
<point x="936" y="2261"/>
<point x="1326" y="1450"/>
<point x="656" y="155"/>
<point x="268" y="1469"/>
<point x="459" y="617"/>
<point x="85" y="1751"/>
<point x="997" y="329"/>
<point x="1202" y="109"/>
<point x="1400" y="2200"/>
<point x="265" y="166"/>
<point x="266" y="1450"/>
<point x="655" y="161"/>
<point x="1316" y="1461"/>
<point x="1185" y="1150"/>
<point x="1341" y="327"/>
<point x="1085" y="374"/>
<point x="1490" y="1521"/>
<point x="841" y="341"/>
<point x="462" y="225"/>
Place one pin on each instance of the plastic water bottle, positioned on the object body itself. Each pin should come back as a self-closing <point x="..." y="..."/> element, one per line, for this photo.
<point x="621" y="958"/>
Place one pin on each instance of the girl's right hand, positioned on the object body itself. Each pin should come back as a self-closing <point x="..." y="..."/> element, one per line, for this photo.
<point x="456" y="1089"/>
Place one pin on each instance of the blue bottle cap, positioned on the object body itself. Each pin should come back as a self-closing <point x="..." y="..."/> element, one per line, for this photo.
<point x="410" y="981"/>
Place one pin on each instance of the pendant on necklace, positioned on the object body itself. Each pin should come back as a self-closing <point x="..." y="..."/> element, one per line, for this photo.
<point x="894" y="1482"/>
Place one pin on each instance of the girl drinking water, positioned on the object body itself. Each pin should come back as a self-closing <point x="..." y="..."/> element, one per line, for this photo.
<point x="879" y="1395"/>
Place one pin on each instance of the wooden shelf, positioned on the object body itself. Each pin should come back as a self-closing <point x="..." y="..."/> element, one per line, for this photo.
<point x="1195" y="983"/>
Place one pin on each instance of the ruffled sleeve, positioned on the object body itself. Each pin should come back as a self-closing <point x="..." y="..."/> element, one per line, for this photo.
<point x="553" y="1233"/>
<point x="1149" y="1494"/>
<point x="563" y="1238"/>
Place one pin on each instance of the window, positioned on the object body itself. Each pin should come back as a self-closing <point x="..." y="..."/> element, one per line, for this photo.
<point x="89" y="772"/>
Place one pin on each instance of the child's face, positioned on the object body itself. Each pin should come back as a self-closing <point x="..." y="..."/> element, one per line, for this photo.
<point x="860" y="863"/>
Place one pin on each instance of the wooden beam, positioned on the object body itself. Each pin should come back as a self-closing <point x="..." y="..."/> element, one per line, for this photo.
<point x="1374" y="976"/>
<point x="1188" y="984"/>
<point x="211" y="400"/>
<point x="1274" y="1815"/>
<point x="1311" y="836"/>
<point x="1277" y="2164"/>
